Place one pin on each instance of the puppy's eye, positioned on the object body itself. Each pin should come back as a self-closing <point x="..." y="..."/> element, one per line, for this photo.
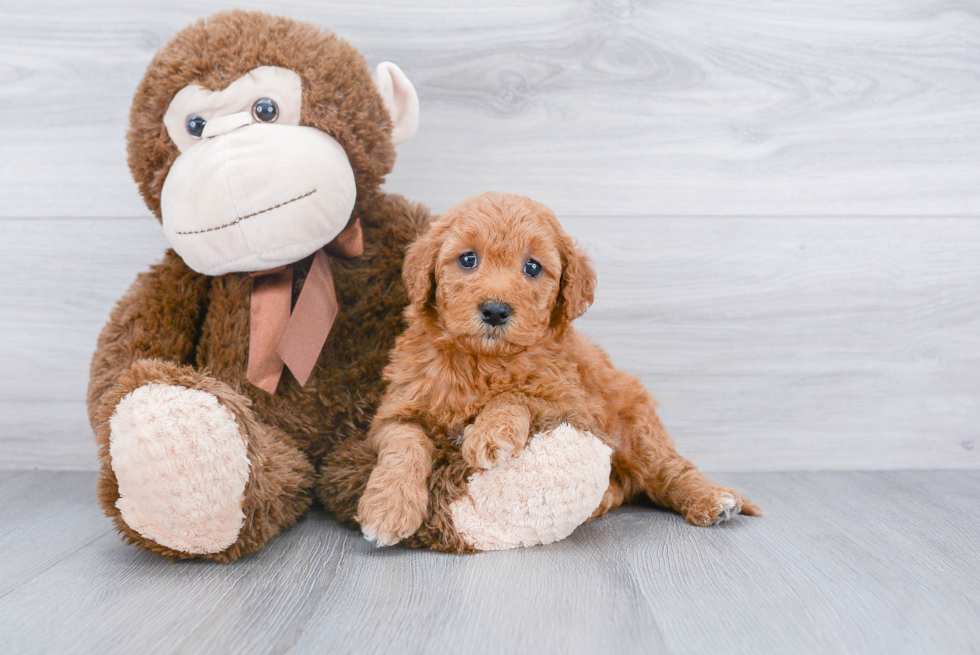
<point x="265" y="110"/>
<point x="195" y="126"/>
<point x="468" y="260"/>
<point x="532" y="268"/>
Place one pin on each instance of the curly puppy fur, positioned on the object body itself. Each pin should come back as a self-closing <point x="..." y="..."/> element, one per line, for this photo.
<point x="456" y="371"/>
<point x="177" y="327"/>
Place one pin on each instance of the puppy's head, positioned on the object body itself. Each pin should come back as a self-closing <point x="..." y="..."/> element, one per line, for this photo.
<point x="497" y="274"/>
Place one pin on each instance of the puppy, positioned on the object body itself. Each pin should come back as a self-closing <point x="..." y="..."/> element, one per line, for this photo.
<point x="490" y="353"/>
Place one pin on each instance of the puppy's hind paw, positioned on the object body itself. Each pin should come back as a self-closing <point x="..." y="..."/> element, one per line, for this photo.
<point x="749" y="508"/>
<point x="727" y="507"/>
<point x="717" y="505"/>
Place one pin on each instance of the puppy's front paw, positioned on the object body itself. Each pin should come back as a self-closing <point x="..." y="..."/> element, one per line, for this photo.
<point x="484" y="446"/>
<point x="389" y="514"/>
<point x="715" y="504"/>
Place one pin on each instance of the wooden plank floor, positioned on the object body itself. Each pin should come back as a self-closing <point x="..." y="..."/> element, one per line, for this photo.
<point x="842" y="563"/>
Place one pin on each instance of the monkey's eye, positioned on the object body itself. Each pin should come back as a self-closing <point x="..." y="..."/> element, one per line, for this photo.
<point x="265" y="110"/>
<point x="468" y="260"/>
<point x="532" y="268"/>
<point x="195" y="126"/>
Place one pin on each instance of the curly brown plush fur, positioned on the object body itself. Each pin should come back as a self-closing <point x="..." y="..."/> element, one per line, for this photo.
<point x="459" y="372"/>
<point x="177" y="327"/>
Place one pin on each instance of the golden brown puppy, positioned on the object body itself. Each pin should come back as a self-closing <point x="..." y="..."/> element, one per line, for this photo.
<point x="490" y="351"/>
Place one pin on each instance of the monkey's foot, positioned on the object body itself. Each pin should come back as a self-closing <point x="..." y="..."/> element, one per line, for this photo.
<point x="181" y="464"/>
<point x="539" y="495"/>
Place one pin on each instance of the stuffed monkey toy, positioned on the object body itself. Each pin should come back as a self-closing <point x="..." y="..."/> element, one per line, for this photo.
<point x="233" y="368"/>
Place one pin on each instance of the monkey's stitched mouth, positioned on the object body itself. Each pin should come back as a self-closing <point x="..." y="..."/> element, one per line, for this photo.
<point x="239" y="220"/>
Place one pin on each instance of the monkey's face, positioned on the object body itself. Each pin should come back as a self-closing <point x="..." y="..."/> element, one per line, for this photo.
<point x="252" y="189"/>
<point x="252" y="136"/>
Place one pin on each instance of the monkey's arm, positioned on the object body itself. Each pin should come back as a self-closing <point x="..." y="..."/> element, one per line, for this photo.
<point x="158" y="318"/>
<point x="405" y="218"/>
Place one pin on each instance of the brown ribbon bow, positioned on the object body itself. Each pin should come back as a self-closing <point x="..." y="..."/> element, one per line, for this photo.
<point x="295" y="339"/>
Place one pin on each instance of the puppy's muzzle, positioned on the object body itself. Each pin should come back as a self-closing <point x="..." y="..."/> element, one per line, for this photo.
<point x="495" y="314"/>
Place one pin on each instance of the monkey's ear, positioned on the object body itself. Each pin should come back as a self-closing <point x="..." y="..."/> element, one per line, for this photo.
<point x="419" y="268"/>
<point x="400" y="100"/>
<point x="578" y="281"/>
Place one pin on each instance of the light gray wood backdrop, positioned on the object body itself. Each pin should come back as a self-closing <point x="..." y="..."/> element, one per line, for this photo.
<point x="782" y="198"/>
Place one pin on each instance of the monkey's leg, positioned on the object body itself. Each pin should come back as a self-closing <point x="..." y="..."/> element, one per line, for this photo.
<point x="188" y="471"/>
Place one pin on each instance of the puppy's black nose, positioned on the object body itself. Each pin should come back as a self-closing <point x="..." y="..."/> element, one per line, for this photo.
<point x="495" y="313"/>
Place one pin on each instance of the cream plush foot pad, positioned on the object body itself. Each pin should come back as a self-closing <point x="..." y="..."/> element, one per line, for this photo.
<point x="538" y="496"/>
<point x="181" y="464"/>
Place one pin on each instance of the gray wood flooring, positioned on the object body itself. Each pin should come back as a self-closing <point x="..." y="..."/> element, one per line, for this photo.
<point x="852" y="562"/>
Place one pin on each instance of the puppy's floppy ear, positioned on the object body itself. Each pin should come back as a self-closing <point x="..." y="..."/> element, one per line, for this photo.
<point x="419" y="267"/>
<point x="576" y="291"/>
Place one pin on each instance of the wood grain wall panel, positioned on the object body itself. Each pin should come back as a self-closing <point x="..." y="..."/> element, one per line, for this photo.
<point x="609" y="107"/>
<point x="782" y="198"/>
<point x="770" y="343"/>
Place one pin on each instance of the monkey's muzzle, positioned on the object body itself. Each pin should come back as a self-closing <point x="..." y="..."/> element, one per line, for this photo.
<point x="257" y="197"/>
